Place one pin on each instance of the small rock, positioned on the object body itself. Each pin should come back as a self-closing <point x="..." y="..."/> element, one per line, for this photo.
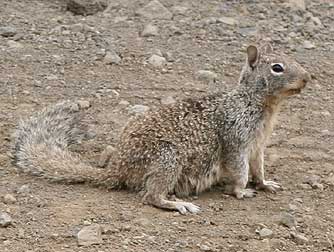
<point x="90" y="235"/>
<point x="175" y="30"/>
<point x="167" y="100"/>
<point x="157" y="61"/>
<point x="86" y="7"/>
<point x="24" y="189"/>
<point x="126" y="228"/>
<point x="265" y="233"/>
<point x="143" y="222"/>
<point x="87" y="222"/>
<point x="288" y="220"/>
<point x="293" y="207"/>
<point x="155" y="10"/>
<point x="308" y="45"/>
<point x="124" y="103"/>
<point x="206" y="76"/>
<point x="120" y="19"/>
<point x="179" y="10"/>
<point x="297" y="4"/>
<point x="138" y="109"/>
<point x="112" y="57"/>
<point x="304" y="186"/>
<point x="298" y="238"/>
<point x="227" y="20"/>
<point x="156" y="51"/>
<point x="248" y="31"/>
<point x="204" y="247"/>
<point x="168" y="56"/>
<point x="110" y="230"/>
<point x="13" y="44"/>
<point x="150" y="30"/>
<point x="9" y="199"/>
<point x="330" y="180"/>
<point x="312" y="179"/>
<point x="7" y="31"/>
<point x="105" y="156"/>
<point x="84" y="104"/>
<point x="6" y="242"/>
<point x="209" y="20"/>
<point x="5" y="219"/>
<point x="316" y="21"/>
<point x="318" y="186"/>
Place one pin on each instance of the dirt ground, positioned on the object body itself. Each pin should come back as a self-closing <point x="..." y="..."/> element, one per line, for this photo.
<point x="53" y="55"/>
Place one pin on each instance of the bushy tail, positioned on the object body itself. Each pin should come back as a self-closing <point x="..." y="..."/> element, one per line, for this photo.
<point x="41" y="145"/>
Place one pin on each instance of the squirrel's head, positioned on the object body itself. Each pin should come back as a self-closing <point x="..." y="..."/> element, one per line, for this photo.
<point x="273" y="73"/>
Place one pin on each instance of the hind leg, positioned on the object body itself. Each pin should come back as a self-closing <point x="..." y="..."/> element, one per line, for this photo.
<point x="160" y="201"/>
<point x="161" y="181"/>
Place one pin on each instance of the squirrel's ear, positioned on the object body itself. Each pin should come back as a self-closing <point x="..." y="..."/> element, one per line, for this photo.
<point x="252" y="55"/>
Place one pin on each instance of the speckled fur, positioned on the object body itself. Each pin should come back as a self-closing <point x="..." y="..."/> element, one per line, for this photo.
<point x="180" y="149"/>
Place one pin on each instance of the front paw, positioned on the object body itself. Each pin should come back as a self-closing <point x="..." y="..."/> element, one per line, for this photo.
<point x="269" y="186"/>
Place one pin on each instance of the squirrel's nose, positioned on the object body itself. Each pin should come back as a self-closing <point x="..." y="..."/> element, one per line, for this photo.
<point x="306" y="78"/>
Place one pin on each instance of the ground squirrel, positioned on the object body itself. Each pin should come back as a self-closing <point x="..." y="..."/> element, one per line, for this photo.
<point x="180" y="149"/>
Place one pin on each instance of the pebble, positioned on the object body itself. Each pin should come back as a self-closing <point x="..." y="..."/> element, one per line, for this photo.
<point x="24" y="189"/>
<point x="316" y="21"/>
<point x="304" y="186"/>
<point x="204" y="247"/>
<point x="288" y="220"/>
<point x="330" y="180"/>
<point x="293" y="207"/>
<point x="318" y="186"/>
<point x="150" y="30"/>
<point x="265" y="233"/>
<point x="90" y="235"/>
<point x="105" y="156"/>
<point x="206" y="76"/>
<point x="126" y="228"/>
<point x="84" y="104"/>
<point x="312" y="179"/>
<point x="155" y="10"/>
<point x="86" y="7"/>
<point x="157" y="61"/>
<point x="13" y="44"/>
<point x="179" y="10"/>
<point x="169" y="56"/>
<point x="112" y="57"/>
<point x="138" y="109"/>
<point x="227" y="20"/>
<point x="308" y="45"/>
<point x="297" y="4"/>
<point x="167" y="100"/>
<point x="7" y="31"/>
<point x="143" y="222"/>
<point x="5" y="219"/>
<point x="248" y="31"/>
<point x="123" y="103"/>
<point x="298" y="238"/>
<point x="9" y="199"/>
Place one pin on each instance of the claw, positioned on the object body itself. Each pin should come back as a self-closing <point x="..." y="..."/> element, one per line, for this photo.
<point x="270" y="186"/>
<point x="245" y="193"/>
<point x="184" y="207"/>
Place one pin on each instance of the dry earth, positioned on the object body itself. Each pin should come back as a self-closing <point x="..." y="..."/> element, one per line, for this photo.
<point x="48" y="54"/>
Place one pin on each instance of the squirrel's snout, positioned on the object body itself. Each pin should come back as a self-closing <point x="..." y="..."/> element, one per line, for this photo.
<point x="305" y="78"/>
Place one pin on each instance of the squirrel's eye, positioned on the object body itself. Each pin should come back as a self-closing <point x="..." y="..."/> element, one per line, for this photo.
<point x="277" y="68"/>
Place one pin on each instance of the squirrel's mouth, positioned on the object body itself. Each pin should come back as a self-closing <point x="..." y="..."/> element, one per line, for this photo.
<point x="296" y="88"/>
